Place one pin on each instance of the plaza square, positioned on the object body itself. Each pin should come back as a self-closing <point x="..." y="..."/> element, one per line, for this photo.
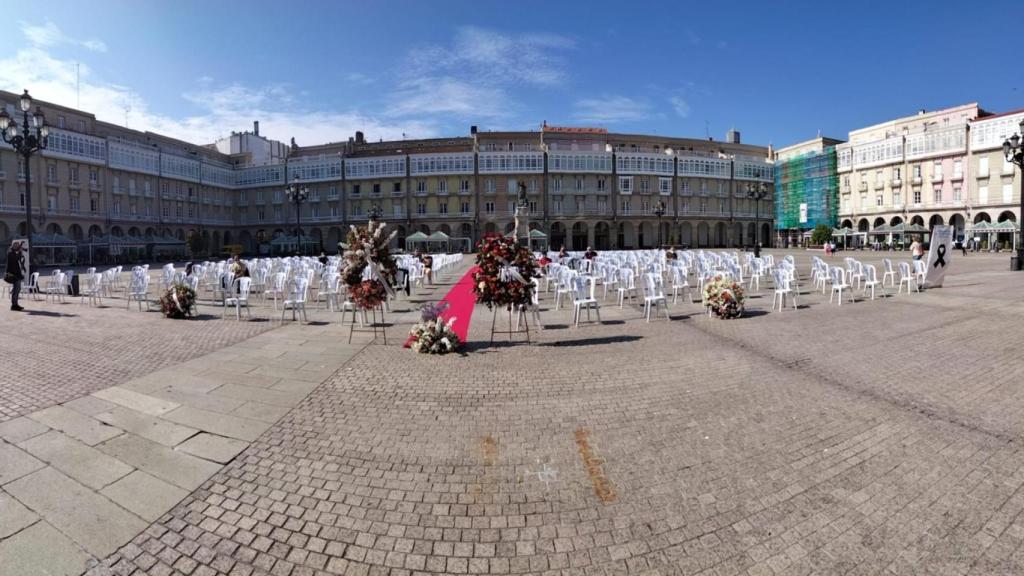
<point x="401" y="288"/>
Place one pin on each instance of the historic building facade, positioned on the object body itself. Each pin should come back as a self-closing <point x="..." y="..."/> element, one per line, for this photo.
<point x="941" y="167"/>
<point x="586" y="187"/>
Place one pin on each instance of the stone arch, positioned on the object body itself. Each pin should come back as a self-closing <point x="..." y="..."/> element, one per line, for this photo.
<point x="22" y="229"/>
<point x="957" y="222"/>
<point x="444" y="228"/>
<point x="134" y="231"/>
<point x="318" y="237"/>
<point x="334" y="236"/>
<point x="227" y="238"/>
<point x="917" y="219"/>
<point x="935" y="220"/>
<point x="895" y="220"/>
<point x="737" y="230"/>
<point x="645" y="235"/>
<point x="720" y="234"/>
<point x="490" y="228"/>
<point x="117" y="232"/>
<point x="245" y="239"/>
<point x="602" y="236"/>
<point x="216" y="241"/>
<point x="466" y="230"/>
<point x="557" y="235"/>
<point x="1006" y="215"/>
<point x="751" y="231"/>
<point x="277" y="234"/>
<point x="878" y="222"/>
<point x="509" y="227"/>
<point x="624" y="236"/>
<point x="579" y="236"/>
<point x="53" y="228"/>
<point x="685" y="234"/>
<point x="150" y="232"/>
<point x="399" y="238"/>
<point x="75" y="233"/>
<point x="5" y="232"/>
<point x="766" y="234"/>
<point x="982" y="217"/>
<point x="425" y="229"/>
<point x="847" y="223"/>
<point x="863" y="225"/>
<point x="703" y="234"/>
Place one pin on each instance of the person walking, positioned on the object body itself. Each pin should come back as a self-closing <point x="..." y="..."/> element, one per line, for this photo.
<point x="15" y="273"/>
<point x="963" y="246"/>
<point x="916" y="249"/>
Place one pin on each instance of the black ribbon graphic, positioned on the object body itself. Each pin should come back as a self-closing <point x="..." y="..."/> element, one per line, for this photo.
<point x="940" y="256"/>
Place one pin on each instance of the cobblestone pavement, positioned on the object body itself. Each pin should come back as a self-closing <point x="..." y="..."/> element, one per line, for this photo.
<point x="56" y="352"/>
<point x="876" y="437"/>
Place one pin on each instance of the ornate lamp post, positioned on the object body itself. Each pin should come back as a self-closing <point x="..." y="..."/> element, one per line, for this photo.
<point x="1014" y="152"/>
<point x="659" y="211"/>
<point x="297" y="194"/>
<point x="758" y="191"/>
<point x="32" y="139"/>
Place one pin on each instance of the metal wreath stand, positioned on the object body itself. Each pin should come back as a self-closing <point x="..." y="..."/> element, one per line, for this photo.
<point x="509" y="272"/>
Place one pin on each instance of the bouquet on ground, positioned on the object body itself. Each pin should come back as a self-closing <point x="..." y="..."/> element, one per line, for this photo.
<point x="178" y="301"/>
<point x="369" y="270"/>
<point x="504" y="270"/>
<point x="432" y="335"/>
<point x="723" y="297"/>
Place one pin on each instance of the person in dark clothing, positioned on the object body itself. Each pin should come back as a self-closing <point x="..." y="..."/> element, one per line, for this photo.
<point x="323" y="258"/>
<point x="757" y="250"/>
<point x="15" y="273"/>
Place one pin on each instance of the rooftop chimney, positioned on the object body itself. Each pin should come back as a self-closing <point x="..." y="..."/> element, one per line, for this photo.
<point x="359" y="137"/>
<point x="256" y="127"/>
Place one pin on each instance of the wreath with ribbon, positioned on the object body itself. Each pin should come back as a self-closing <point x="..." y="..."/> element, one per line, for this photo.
<point x="369" y="271"/>
<point x="504" y="270"/>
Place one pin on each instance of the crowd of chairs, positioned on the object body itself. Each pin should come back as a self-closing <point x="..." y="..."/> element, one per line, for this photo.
<point x="650" y="278"/>
<point x="282" y="284"/>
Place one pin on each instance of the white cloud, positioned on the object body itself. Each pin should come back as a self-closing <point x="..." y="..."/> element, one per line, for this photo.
<point x="611" y="110"/>
<point x="474" y="75"/>
<point x="221" y="109"/>
<point x="359" y="79"/>
<point x="49" y="35"/>
<point x="682" y="107"/>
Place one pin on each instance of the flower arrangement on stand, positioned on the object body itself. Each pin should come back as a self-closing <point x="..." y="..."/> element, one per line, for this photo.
<point x="178" y="301"/>
<point x="504" y="269"/>
<point x="723" y="297"/>
<point x="369" y="270"/>
<point x="432" y="335"/>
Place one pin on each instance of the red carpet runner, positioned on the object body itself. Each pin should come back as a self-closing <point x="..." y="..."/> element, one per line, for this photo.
<point x="461" y="301"/>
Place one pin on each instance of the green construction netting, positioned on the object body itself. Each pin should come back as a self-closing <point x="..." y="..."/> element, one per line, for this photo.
<point x="809" y="179"/>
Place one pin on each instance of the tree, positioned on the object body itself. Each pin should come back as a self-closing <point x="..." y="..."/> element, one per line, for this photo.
<point x="822" y="233"/>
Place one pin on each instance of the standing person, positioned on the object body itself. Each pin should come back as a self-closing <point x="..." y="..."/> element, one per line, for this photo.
<point x="757" y="250"/>
<point x="963" y="246"/>
<point x="323" y="258"/>
<point x="15" y="273"/>
<point x="916" y="249"/>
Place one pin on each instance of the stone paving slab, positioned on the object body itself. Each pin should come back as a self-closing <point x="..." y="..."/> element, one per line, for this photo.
<point x="91" y="520"/>
<point x="180" y="469"/>
<point x="222" y="424"/>
<point x="136" y="401"/>
<point x="145" y="495"/>
<point x="82" y="463"/>
<point x="222" y="404"/>
<point x="89" y="405"/>
<point x="41" y="549"/>
<point x="213" y="447"/>
<point x="16" y="463"/>
<point x="262" y="395"/>
<point x="258" y="411"/>
<point x="21" y="428"/>
<point x="149" y="427"/>
<point x="79" y="426"/>
<point x="13" y="516"/>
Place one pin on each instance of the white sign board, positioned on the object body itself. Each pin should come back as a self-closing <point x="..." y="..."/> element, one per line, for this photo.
<point x="803" y="213"/>
<point x="939" y="255"/>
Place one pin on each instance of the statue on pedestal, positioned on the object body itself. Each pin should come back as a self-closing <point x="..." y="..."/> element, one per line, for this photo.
<point x="522" y="209"/>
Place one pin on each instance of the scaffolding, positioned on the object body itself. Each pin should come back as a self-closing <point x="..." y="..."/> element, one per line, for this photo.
<point x="807" y="190"/>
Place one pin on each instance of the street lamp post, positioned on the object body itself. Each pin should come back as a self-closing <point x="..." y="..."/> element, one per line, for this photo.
<point x="1013" y="150"/>
<point x="758" y="191"/>
<point x="26" y="144"/>
<point x="297" y="194"/>
<point x="659" y="211"/>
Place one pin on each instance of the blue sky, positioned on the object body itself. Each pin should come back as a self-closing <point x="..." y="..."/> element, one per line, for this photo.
<point x="318" y="71"/>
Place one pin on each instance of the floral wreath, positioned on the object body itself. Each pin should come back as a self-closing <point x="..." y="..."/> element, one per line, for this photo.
<point x="504" y="270"/>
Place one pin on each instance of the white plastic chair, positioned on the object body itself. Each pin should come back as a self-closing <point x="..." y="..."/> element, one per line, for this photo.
<point x="296" y="299"/>
<point x="890" y="273"/>
<point x="238" y="297"/>
<point x="654" y="295"/>
<point x="908" y="278"/>
<point x="138" y="290"/>
<point x="584" y="298"/>
<point x="680" y="283"/>
<point x="783" y="288"/>
<point x="627" y="286"/>
<point x="871" y="280"/>
<point x="277" y="288"/>
<point x="839" y="284"/>
<point x="91" y="287"/>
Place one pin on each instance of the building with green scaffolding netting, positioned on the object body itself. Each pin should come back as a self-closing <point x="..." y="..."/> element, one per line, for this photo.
<point x="806" y="190"/>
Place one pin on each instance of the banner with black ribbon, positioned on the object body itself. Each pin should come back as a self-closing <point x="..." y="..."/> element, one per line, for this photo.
<point x="939" y="255"/>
